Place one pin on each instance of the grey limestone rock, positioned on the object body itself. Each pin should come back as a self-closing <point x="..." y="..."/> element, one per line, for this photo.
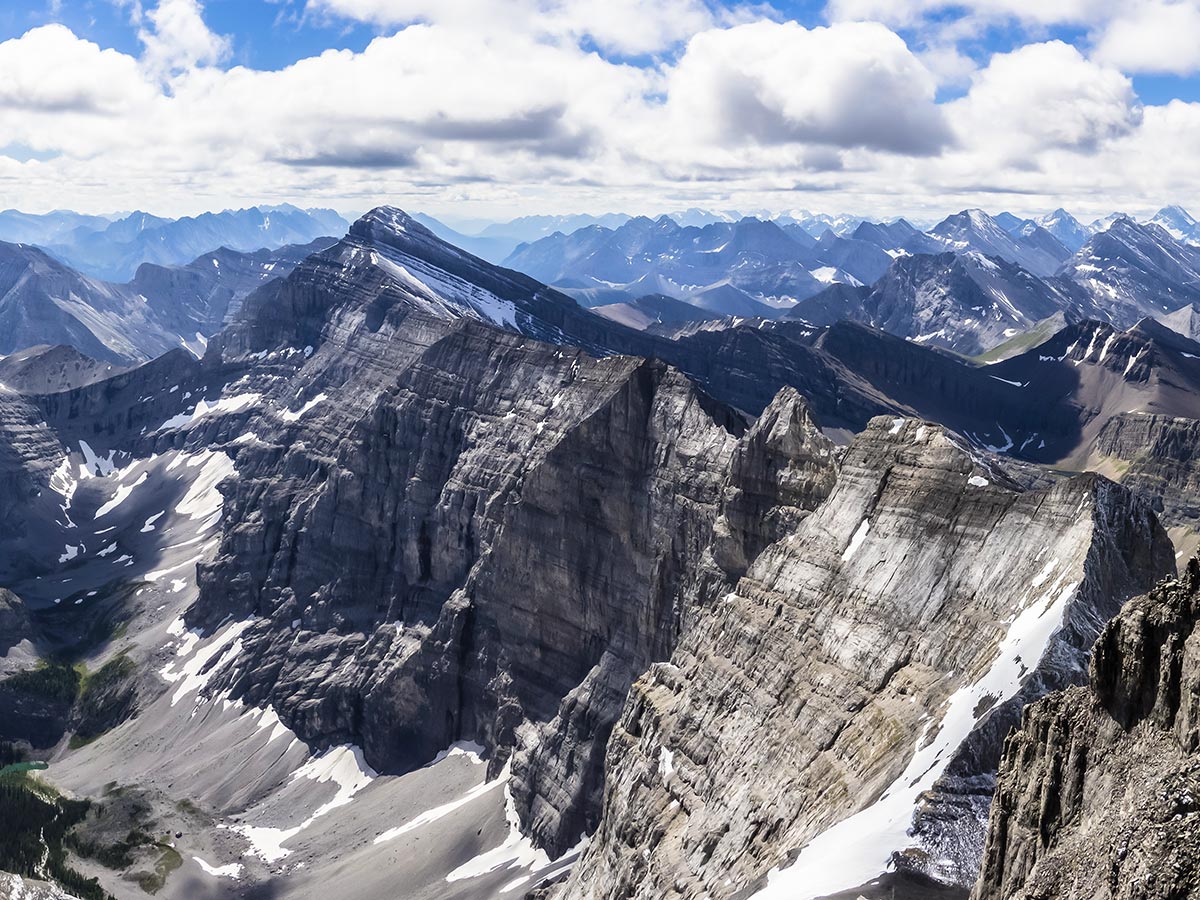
<point x="1097" y="792"/>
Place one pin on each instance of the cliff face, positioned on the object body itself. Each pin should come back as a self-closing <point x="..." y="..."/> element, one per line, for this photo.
<point x="864" y="669"/>
<point x="1097" y="793"/>
<point x="1159" y="455"/>
<point x="452" y="532"/>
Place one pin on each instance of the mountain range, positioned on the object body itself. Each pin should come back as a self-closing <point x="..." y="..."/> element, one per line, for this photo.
<point x="43" y="301"/>
<point x="419" y="572"/>
<point x="113" y="248"/>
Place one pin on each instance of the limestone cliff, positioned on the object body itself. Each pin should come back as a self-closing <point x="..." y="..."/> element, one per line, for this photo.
<point x="864" y="668"/>
<point x="1097" y="793"/>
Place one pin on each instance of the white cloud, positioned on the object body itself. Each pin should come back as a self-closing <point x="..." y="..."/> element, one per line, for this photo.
<point x="629" y="27"/>
<point x="50" y="70"/>
<point x="509" y="120"/>
<point x="1153" y="36"/>
<point x="909" y="12"/>
<point x="176" y="37"/>
<point x="848" y="85"/>
<point x="1045" y="96"/>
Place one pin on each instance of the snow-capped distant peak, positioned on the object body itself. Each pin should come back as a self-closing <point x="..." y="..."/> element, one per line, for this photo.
<point x="1176" y="221"/>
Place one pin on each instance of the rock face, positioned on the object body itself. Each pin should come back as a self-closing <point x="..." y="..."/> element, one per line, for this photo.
<point x="410" y="499"/>
<point x="965" y="302"/>
<point x="48" y="370"/>
<point x="797" y="699"/>
<point x="645" y="255"/>
<point x="45" y="302"/>
<point x="14" y="620"/>
<point x="483" y="535"/>
<point x="1097" y="791"/>
<point x="1136" y="270"/>
<point x="1158" y="455"/>
<point x="973" y="229"/>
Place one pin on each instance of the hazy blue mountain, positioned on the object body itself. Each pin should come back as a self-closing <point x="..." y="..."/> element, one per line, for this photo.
<point x="114" y="252"/>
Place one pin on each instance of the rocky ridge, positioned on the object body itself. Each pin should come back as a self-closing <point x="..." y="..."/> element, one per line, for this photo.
<point x="821" y="651"/>
<point x="1097" y="791"/>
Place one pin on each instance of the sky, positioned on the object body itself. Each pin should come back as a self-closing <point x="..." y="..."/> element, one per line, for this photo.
<point x="482" y="109"/>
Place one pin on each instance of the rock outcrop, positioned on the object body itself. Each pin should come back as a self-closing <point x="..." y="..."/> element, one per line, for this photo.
<point x="1159" y="455"/>
<point x="1098" y="791"/>
<point x="865" y="668"/>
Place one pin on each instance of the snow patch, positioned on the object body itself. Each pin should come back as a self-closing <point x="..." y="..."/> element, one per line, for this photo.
<point x="666" y="763"/>
<point x="203" y="500"/>
<point x="856" y="541"/>
<point x="123" y="492"/>
<point x="516" y="852"/>
<point x="342" y="765"/>
<point x="859" y="848"/>
<point x="233" y="870"/>
<point x="288" y="416"/>
<point x="201" y="664"/>
<point x="203" y="408"/>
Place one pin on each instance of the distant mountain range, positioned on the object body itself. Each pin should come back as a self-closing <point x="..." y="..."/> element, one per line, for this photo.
<point x="970" y="284"/>
<point x="45" y="302"/>
<point x="113" y="248"/>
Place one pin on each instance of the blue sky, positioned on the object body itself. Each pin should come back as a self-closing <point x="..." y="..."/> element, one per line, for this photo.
<point x="265" y="34"/>
<point x="895" y="106"/>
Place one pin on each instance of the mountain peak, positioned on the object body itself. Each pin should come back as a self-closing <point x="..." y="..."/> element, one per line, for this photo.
<point x="1176" y="211"/>
<point x="1176" y="221"/>
<point x="391" y="217"/>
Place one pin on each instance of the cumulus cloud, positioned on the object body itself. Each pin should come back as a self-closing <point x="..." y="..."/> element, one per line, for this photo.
<point x="848" y="85"/>
<point x="628" y="27"/>
<point x="1045" y="96"/>
<point x="176" y="37"/>
<point x="1154" y="36"/>
<point x="50" y="70"/>
<point x="462" y="107"/>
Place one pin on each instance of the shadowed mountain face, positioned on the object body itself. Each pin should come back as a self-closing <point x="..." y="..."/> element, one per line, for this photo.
<point x="423" y="571"/>
<point x="48" y="370"/>
<point x="43" y="302"/>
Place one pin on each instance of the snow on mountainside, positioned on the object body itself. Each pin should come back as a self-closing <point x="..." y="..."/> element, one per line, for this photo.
<point x="1134" y="271"/>
<point x="973" y="229"/>
<point x="966" y="302"/>
<point x="1177" y="222"/>
<point x="645" y="256"/>
<point x="1066" y="228"/>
